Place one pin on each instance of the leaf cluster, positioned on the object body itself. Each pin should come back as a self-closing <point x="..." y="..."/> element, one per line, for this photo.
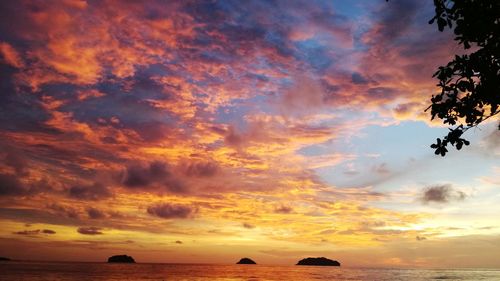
<point x="470" y="83"/>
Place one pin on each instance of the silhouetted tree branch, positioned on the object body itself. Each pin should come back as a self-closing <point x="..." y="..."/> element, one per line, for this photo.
<point x="470" y="84"/>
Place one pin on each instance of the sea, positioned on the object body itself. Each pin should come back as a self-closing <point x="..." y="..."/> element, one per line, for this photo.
<point x="69" y="271"/>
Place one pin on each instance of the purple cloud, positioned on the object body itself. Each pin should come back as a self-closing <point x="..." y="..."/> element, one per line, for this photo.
<point x="171" y="211"/>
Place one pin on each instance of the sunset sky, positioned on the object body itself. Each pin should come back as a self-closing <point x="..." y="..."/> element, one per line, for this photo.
<point x="207" y="131"/>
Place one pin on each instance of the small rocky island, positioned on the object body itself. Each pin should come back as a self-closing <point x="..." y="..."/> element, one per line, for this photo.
<point x="4" y="259"/>
<point x="246" y="261"/>
<point x="121" y="259"/>
<point x="318" y="261"/>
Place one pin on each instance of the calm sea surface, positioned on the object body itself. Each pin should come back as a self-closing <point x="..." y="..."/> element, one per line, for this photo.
<point x="39" y="271"/>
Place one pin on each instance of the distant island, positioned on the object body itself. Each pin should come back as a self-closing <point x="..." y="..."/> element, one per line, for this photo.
<point x="121" y="259"/>
<point x="318" y="261"/>
<point x="4" y="259"/>
<point x="246" y="261"/>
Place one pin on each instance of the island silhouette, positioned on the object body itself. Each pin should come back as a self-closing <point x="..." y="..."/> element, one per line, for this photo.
<point x="4" y="259"/>
<point x="318" y="261"/>
<point x="121" y="259"/>
<point x="246" y="261"/>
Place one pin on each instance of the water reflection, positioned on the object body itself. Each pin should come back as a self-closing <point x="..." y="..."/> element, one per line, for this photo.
<point x="45" y="271"/>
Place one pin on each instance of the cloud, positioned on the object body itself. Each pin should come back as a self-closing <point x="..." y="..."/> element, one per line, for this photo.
<point x="143" y="175"/>
<point x="10" y="55"/>
<point x="10" y="185"/>
<point x="395" y="19"/>
<point x="171" y="211"/>
<point x="18" y="163"/>
<point x="247" y="225"/>
<point x="381" y="169"/>
<point x="66" y="211"/>
<point x="28" y="232"/>
<point x="95" y="213"/>
<point x="88" y="94"/>
<point x="283" y="209"/>
<point x="441" y="194"/>
<point x="305" y="95"/>
<point x="92" y="230"/>
<point x="232" y="137"/>
<point x="154" y="174"/>
<point x="30" y="215"/>
<point x="491" y="142"/>
<point x="202" y="169"/>
<point x="152" y="131"/>
<point x="358" y="78"/>
<point x="382" y="93"/>
<point x="409" y="110"/>
<point x="328" y="231"/>
<point x="402" y="53"/>
<point x="92" y="192"/>
<point x="35" y="232"/>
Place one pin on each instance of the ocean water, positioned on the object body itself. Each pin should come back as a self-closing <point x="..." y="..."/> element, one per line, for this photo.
<point x="53" y="271"/>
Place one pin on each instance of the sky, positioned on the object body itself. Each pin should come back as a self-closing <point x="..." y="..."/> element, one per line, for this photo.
<point x="207" y="131"/>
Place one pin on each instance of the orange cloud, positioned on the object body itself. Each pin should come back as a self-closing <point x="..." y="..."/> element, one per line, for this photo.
<point x="10" y="55"/>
